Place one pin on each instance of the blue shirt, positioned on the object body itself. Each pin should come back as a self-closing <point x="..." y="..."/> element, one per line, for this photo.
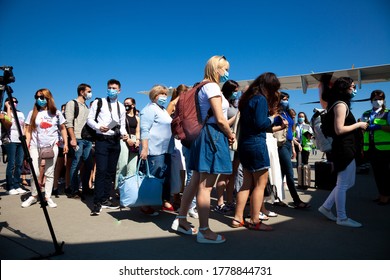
<point x="155" y="126"/>
<point x="278" y="121"/>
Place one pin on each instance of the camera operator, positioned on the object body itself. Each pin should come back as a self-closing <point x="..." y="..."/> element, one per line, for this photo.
<point x="110" y="128"/>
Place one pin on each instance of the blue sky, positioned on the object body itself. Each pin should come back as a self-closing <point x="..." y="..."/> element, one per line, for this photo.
<point x="60" y="44"/>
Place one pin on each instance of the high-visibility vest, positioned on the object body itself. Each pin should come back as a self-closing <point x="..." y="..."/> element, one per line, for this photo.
<point x="380" y="138"/>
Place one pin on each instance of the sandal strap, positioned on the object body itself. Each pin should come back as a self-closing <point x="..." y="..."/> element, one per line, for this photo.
<point x="203" y="228"/>
<point x="181" y="217"/>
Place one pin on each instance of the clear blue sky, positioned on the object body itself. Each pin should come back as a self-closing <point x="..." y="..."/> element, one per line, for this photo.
<point x="60" y="44"/>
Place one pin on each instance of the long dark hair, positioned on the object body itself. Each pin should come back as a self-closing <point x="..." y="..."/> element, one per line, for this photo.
<point x="228" y="88"/>
<point x="338" y="92"/>
<point x="267" y="84"/>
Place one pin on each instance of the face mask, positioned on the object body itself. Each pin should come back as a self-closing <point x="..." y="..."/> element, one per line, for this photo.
<point x="224" y="78"/>
<point x="235" y="95"/>
<point x="300" y="120"/>
<point x="162" y="100"/>
<point x="88" y="96"/>
<point x="353" y="93"/>
<point x="284" y="104"/>
<point x="41" y="103"/>
<point x="128" y="107"/>
<point x="377" y="103"/>
<point x="112" y="93"/>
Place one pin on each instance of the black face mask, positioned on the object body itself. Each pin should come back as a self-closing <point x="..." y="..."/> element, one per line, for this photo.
<point x="128" y="107"/>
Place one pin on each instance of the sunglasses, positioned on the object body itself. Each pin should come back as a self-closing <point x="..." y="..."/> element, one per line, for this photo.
<point x="41" y="97"/>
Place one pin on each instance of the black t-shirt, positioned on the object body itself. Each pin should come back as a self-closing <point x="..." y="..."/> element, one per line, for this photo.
<point x="131" y="124"/>
<point x="345" y="147"/>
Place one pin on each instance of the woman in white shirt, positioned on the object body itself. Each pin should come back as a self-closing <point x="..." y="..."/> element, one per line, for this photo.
<point x="44" y="126"/>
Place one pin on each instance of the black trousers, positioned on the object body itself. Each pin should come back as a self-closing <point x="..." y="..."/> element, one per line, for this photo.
<point x="380" y="163"/>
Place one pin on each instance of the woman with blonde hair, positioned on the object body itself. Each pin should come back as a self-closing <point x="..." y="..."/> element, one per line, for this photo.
<point x="44" y="127"/>
<point x="157" y="143"/>
<point x="209" y="155"/>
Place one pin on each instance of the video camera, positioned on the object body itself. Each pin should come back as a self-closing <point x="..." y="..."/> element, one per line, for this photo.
<point x="8" y="76"/>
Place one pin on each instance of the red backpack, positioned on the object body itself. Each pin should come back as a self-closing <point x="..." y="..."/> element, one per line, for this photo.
<point x="187" y="121"/>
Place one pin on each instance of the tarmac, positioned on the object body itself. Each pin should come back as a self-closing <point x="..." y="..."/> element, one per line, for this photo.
<point x="127" y="234"/>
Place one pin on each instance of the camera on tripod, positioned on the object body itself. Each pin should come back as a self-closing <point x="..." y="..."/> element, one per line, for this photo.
<point x="8" y="76"/>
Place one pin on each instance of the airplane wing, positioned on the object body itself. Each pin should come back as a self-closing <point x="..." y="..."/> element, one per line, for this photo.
<point x="317" y="102"/>
<point x="362" y="75"/>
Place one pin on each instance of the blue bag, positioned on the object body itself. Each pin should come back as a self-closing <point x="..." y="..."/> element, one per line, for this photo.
<point x="140" y="189"/>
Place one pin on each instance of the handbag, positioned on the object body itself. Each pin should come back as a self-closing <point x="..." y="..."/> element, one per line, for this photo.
<point x="236" y="130"/>
<point x="88" y="133"/>
<point x="140" y="189"/>
<point x="46" y="152"/>
<point x="281" y="136"/>
<point x="270" y="190"/>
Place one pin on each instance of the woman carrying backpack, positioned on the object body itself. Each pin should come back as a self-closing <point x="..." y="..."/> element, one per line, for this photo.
<point x="342" y="126"/>
<point x="206" y="160"/>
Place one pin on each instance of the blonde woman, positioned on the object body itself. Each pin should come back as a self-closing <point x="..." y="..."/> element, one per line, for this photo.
<point x="210" y="154"/>
<point x="157" y="143"/>
<point x="44" y="127"/>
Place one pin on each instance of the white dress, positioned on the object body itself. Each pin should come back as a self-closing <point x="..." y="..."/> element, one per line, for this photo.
<point x="275" y="172"/>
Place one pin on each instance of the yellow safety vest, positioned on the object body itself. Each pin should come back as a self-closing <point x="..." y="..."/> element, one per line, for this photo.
<point x="381" y="138"/>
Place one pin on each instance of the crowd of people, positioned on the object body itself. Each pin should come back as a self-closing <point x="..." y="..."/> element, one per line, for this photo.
<point x="61" y="144"/>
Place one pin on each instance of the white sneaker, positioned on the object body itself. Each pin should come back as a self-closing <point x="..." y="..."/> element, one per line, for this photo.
<point x="192" y="212"/>
<point x="327" y="213"/>
<point x="51" y="203"/>
<point x="12" y="192"/>
<point x="20" y="191"/>
<point x="31" y="200"/>
<point x="348" y="223"/>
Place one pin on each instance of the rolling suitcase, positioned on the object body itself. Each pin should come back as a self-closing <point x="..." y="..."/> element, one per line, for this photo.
<point x="324" y="177"/>
<point x="304" y="176"/>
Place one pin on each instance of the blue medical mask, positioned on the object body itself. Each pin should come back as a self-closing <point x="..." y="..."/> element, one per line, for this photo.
<point x="300" y="120"/>
<point x="41" y="103"/>
<point x="353" y="93"/>
<point x="162" y="100"/>
<point x="234" y="95"/>
<point x="284" y="104"/>
<point x="112" y="93"/>
<point x="224" y="78"/>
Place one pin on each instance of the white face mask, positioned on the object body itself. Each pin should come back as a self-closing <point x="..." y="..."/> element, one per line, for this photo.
<point x="377" y="103"/>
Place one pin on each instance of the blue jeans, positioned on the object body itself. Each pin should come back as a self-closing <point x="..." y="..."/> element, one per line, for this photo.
<point x="186" y="153"/>
<point x="15" y="157"/>
<point x="84" y="153"/>
<point x="285" y="153"/>
<point x="106" y="157"/>
<point x="160" y="167"/>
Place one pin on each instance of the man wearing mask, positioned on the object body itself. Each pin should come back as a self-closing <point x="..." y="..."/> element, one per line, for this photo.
<point x="110" y="128"/>
<point x="76" y="112"/>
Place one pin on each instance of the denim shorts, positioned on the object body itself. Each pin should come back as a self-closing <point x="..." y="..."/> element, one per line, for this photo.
<point x="253" y="154"/>
<point x="208" y="158"/>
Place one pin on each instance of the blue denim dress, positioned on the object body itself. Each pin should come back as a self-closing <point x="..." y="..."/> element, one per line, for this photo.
<point x="252" y="147"/>
<point x="211" y="155"/>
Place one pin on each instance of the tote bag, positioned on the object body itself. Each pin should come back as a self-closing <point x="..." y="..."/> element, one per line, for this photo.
<point x="140" y="189"/>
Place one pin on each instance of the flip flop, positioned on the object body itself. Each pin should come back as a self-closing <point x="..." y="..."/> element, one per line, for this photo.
<point x="302" y="205"/>
<point x="260" y="227"/>
<point x="239" y="224"/>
